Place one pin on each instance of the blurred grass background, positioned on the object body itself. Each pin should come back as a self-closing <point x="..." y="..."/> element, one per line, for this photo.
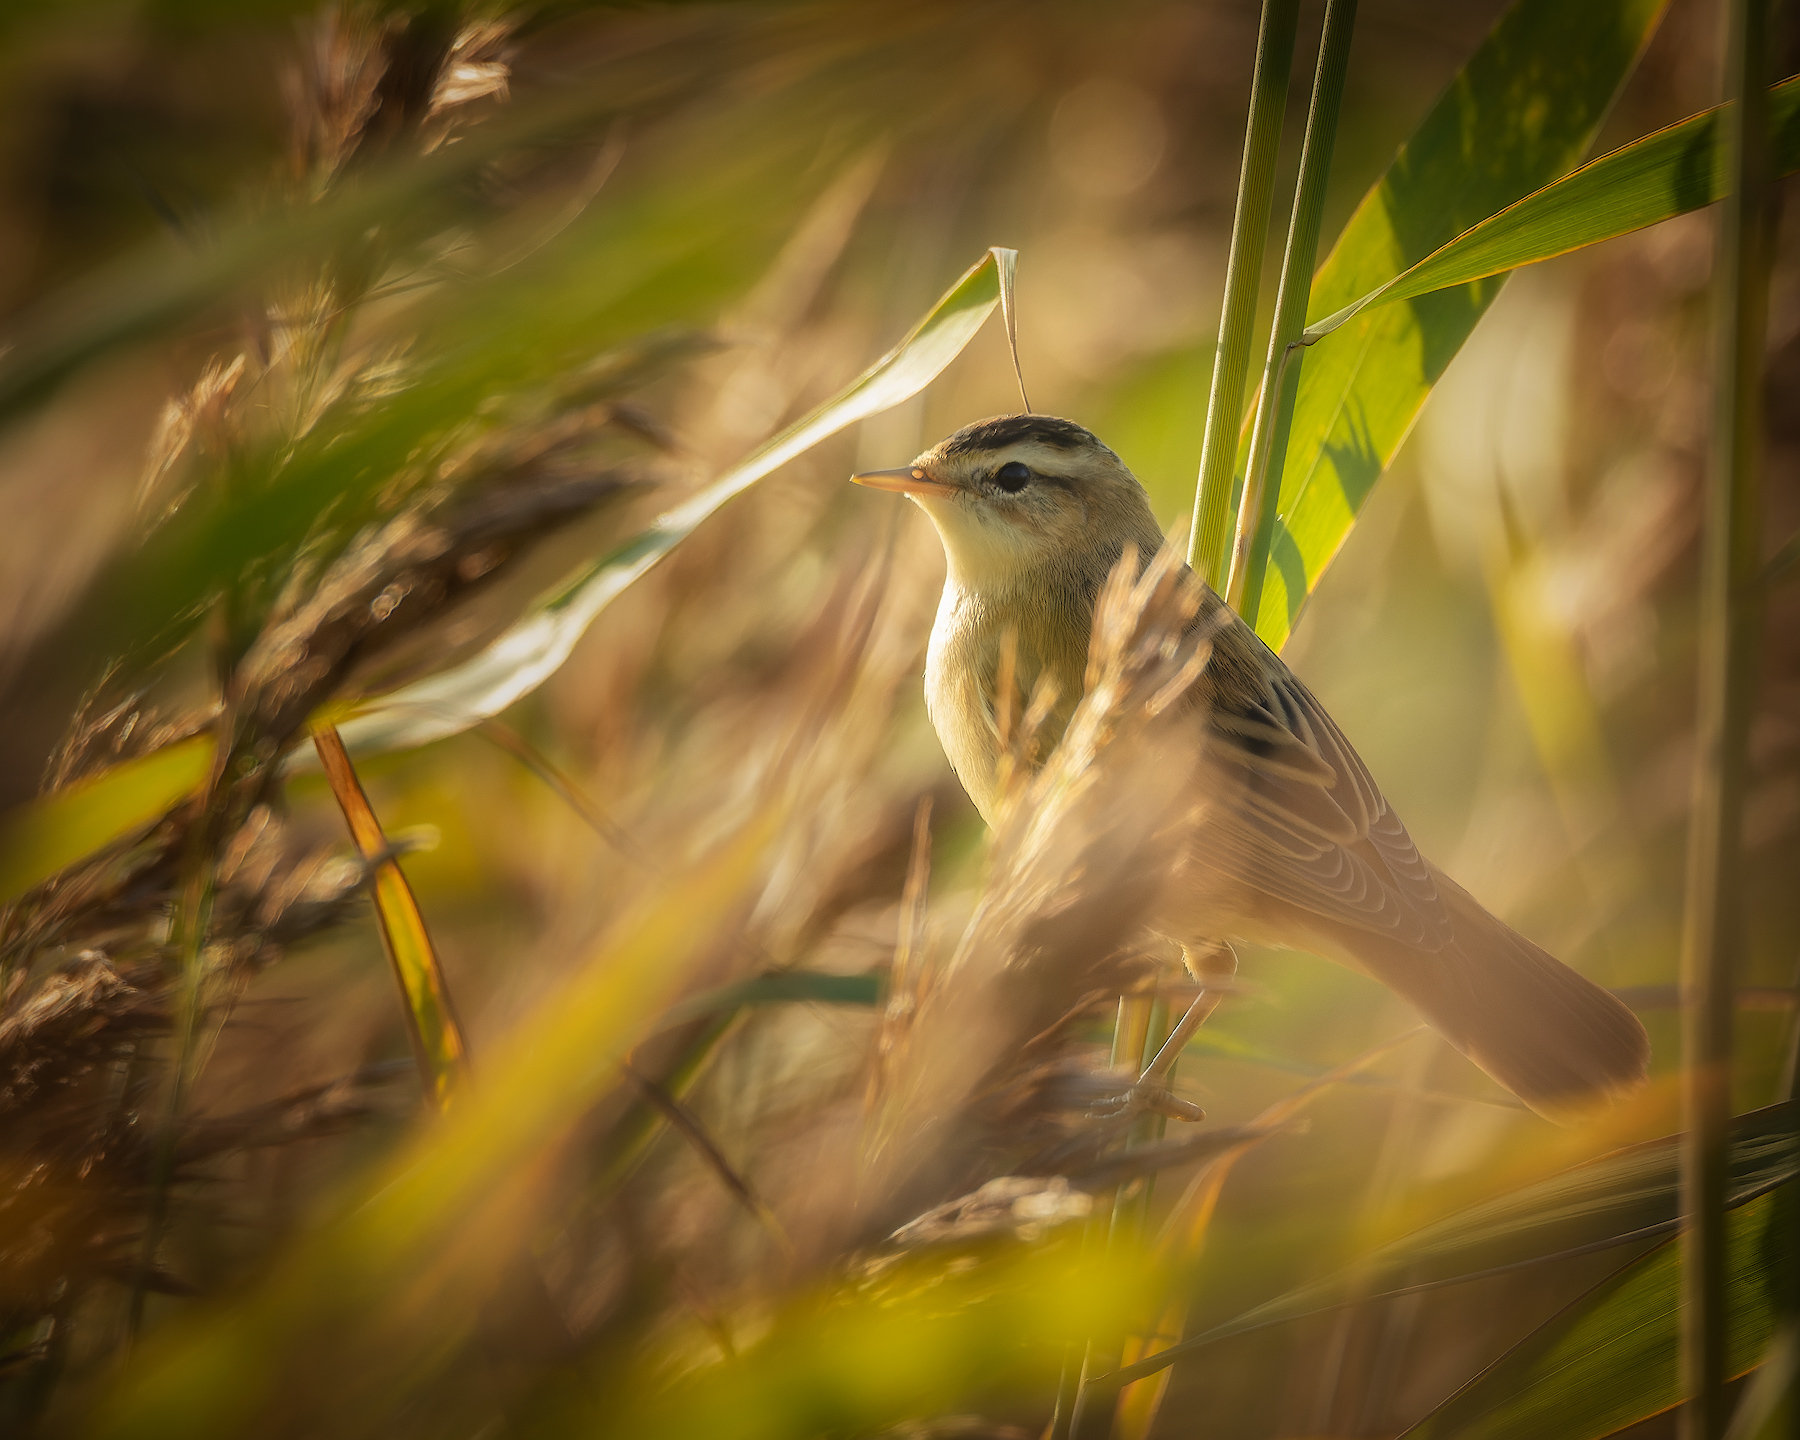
<point x="1506" y="637"/>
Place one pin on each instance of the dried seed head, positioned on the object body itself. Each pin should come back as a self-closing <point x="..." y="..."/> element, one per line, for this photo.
<point x="1084" y="846"/>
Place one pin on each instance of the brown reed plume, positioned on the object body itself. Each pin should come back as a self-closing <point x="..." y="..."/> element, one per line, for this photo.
<point x="91" y="980"/>
<point x="982" y="1064"/>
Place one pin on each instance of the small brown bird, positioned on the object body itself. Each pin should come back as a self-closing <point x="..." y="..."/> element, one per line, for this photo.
<point x="1299" y="849"/>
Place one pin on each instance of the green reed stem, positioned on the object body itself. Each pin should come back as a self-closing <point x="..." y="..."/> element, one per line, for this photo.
<point x="643" y="1123"/>
<point x="1131" y="1206"/>
<point x="1713" y="932"/>
<point x="193" y="920"/>
<point x="1281" y="370"/>
<point x="1137" y="1034"/>
<point x="1243" y="281"/>
<point x="1130" y="1027"/>
<point x="1783" y="1344"/>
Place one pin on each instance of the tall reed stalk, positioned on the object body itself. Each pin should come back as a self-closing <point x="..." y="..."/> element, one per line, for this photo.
<point x="1281" y="369"/>
<point x="1243" y="281"/>
<point x="193" y="920"/>
<point x="1206" y="534"/>
<point x="1137" y="1033"/>
<point x="1274" y="61"/>
<point x="1714" y="931"/>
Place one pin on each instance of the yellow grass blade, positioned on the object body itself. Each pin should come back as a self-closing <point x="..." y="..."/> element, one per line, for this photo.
<point x="56" y="830"/>
<point x="435" y="1221"/>
<point x="437" y="1038"/>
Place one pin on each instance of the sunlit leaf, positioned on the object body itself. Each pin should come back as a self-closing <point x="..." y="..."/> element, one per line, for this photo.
<point x="1521" y="112"/>
<point x="53" y="832"/>
<point x="534" y="649"/>
<point x="1665" y="174"/>
<point x="1609" y="1359"/>
<point x="783" y="987"/>
<point x="431" y="1017"/>
<point x="925" y="1342"/>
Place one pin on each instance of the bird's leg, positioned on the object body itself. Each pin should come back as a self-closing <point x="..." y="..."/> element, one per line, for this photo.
<point x="1214" y="962"/>
<point x="1150" y="1093"/>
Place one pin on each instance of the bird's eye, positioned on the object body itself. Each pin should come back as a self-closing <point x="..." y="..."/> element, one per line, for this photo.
<point x="1013" y="476"/>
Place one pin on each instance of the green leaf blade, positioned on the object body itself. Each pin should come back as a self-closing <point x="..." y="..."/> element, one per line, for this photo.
<point x="1628" y="1196"/>
<point x="778" y="988"/>
<point x="1666" y="173"/>
<point x="1522" y="112"/>
<point x="57" y="830"/>
<point x="535" y="648"/>
<point x="1609" y="1360"/>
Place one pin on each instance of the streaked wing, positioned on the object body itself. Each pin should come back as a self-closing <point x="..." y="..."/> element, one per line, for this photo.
<point x="1310" y="827"/>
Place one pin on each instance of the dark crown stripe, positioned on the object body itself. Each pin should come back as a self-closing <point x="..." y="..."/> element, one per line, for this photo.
<point x="1003" y="430"/>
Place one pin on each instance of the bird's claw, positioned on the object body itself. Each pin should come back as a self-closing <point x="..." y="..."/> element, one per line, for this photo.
<point x="1146" y="1098"/>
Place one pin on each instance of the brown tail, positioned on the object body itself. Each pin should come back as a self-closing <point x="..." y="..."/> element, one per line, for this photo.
<point x="1563" y="1045"/>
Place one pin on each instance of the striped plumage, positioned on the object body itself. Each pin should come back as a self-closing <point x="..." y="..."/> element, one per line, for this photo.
<point x="1298" y="846"/>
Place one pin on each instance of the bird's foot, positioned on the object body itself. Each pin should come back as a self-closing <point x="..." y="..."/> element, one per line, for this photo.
<point x="1146" y="1097"/>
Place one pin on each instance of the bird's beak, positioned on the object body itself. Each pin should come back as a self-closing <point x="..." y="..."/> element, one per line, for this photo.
<point x="908" y="480"/>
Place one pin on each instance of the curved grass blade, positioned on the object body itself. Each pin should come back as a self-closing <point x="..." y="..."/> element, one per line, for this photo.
<point x="431" y="1019"/>
<point x="1211" y="1044"/>
<point x="56" y="830"/>
<point x="535" y="648"/>
<point x="1667" y="173"/>
<point x="1521" y="112"/>
<point x="1629" y="1196"/>
<point x="781" y="987"/>
<point x="1008" y="261"/>
<point x="1608" y="1360"/>
<point x="724" y="1006"/>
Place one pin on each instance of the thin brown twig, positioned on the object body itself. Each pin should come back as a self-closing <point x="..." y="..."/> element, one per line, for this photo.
<point x="503" y="737"/>
<point x="914" y="897"/>
<point x="689" y="1124"/>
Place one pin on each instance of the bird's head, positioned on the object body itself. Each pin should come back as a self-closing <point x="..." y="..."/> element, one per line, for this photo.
<point x="1020" y="495"/>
